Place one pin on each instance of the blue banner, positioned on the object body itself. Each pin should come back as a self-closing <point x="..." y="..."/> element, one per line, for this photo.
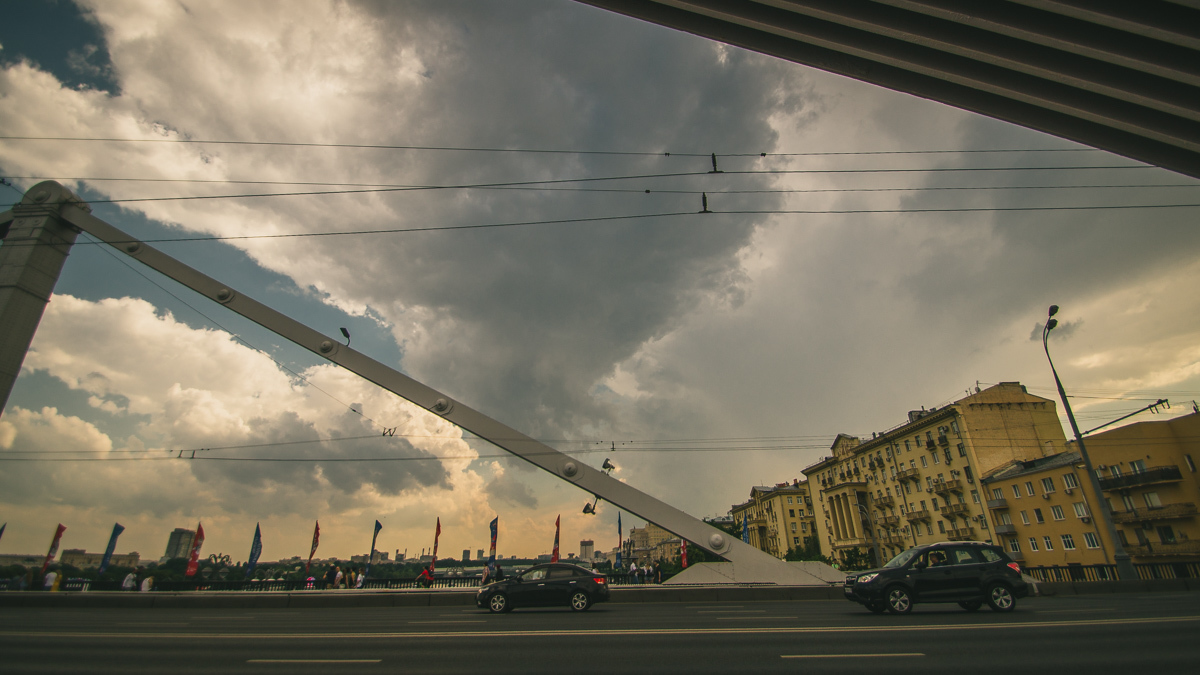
<point x="371" y="555"/>
<point x="745" y="529"/>
<point x="255" y="551"/>
<point x="112" y="546"/>
<point x="492" y="551"/>
<point x="620" y="540"/>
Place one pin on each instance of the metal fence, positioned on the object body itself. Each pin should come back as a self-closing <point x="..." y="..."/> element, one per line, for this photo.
<point x="287" y="585"/>
<point x="1145" y="571"/>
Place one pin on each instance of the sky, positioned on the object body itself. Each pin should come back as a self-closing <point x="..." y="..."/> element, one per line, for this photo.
<point x="864" y="266"/>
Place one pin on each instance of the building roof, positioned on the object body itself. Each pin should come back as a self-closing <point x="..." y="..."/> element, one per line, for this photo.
<point x="1020" y="468"/>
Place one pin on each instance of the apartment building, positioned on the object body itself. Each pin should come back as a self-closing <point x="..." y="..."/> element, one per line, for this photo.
<point x="918" y="482"/>
<point x="642" y="544"/>
<point x="777" y="518"/>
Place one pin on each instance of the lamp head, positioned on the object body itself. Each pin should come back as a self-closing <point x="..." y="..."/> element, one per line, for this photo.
<point x="608" y="465"/>
<point x="1051" y="324"/>
<point x="588" y="509"/>
<point x="1053" y="310"/>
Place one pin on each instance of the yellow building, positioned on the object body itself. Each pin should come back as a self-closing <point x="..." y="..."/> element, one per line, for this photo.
<point x="1044" y="511"/>
<point x="77" y="557"/>
<point x="643" y="543"/>
<point x="917" y="483"/>
<point x="777" y="518"/>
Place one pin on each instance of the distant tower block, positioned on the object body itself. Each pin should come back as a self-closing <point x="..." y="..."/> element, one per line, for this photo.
<point x="466" y="554"/>
<point x="587" y="549"/>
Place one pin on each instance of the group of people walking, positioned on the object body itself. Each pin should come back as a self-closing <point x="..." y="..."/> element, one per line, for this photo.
<point x="350" y="578"/>
<point x="648" y="574"/>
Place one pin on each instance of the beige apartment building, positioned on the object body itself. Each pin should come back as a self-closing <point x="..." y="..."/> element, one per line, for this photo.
<point x="777" y="518"/>
<point x="1044" y="510"/>
<point x="642" y="544"/>
<point x="918" y="483"/>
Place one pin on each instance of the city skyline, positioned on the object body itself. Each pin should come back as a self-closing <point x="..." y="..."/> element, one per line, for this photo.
<point x="702" y="353"/>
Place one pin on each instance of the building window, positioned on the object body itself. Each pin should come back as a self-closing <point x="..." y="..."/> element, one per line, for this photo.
<point x="1047" y="485"/>
<point x="922" y="504"/>
<point x="1092" y="540"/>
<point x="954" y="426"/>
<point x="1005" y="519"/>
<point x="928" y="483"/>
<point x="1165" y="534"/>
<point x="791" y="513"/>
<point x="942" y="526"/>
<point x="997" y="493"/>
<point x="1029" y="488"/>
<point x="1037" y="514"/>
<point x="793" y="527"/>
<point x="1191" y="464"/>
<point x="1025" y="517"/>
<point x="1152" y="501"/>
<point x="906" y="448"/>
<point x="935" y="458"/>
<point x="1016" y="492"/>
<point x="1069" y="481"/>
<point x="1138" y="466"/>
<point x="1033" y="544"/>
<point x="983" y="523"/>
<point x="975" y="496"/>
<point x="1080" y="510"/>
<point x="1014" y="546"/>
<point x="789" y="500"/>
<point x="1068" y="542"/>
<point x="962" y="450"/>
<point x="1048" y="542"/>
<point x="1115" y="471"/>
<point x="929" y="528"/>
<point x="923" y="462"/>
<point x="934" y="502"/>
<point x="1057" y="512"/>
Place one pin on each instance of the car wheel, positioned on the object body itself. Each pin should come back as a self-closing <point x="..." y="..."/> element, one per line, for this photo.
<point x="877" y="606"/>
<point x="1000" y="598"/>
<point x="580" y="601"/>
<point x="898" y="600"/>
<point x="971" y="605"/>
<point x="498" y="603"/>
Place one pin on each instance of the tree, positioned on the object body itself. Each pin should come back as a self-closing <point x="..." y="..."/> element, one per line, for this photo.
<point x="810" y="551"/>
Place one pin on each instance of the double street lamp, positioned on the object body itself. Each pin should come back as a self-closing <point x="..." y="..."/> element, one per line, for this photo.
<point x="1124" y="565"/>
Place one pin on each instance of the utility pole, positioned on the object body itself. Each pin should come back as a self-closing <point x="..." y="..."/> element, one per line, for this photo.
<point x="35" y="246"/>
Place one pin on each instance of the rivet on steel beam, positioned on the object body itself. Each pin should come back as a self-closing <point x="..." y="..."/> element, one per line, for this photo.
<point x="133" y="247"/>
<point x="570" y="469"/>
<point x="442" y="406"/>
<point x="716" y="542"/>
<point x="326" y="347"/>
<point x="224" y="295"/>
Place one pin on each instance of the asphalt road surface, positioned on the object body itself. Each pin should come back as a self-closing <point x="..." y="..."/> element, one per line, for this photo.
<point x="1157" y="632"/>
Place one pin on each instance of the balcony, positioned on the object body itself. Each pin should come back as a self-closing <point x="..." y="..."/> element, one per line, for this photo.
<point x="851" y="543"/>
<point x="955" y="509"/>
<point x="1191" y="547"/>
<point x="930" y="445"/>
<point x="914" y="516"/>
<point x="1007" y="528"/>
<point x="946" y="486"/>
<point x="890" y="521"/>
<point x="1016" y="555"/>
<point x="908" y="474"/>
<point x="885" y="502"/>
<point x="961" y="534"/>
<point x="1156" y="474"/>
<point x="943" y="441"/>
<point x="1165" y="512"/>
<point x="892" y="540"/>
<point x="1001" y="503"/>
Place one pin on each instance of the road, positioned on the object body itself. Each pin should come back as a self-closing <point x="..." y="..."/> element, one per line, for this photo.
<point x="1136" y="631"/>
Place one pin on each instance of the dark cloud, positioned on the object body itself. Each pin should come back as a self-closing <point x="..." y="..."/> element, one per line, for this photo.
<point x="505" y="488"/>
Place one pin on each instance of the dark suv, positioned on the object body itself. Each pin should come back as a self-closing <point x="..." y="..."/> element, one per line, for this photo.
<point x="967" y="572"/>
<point x="554" y="584"/>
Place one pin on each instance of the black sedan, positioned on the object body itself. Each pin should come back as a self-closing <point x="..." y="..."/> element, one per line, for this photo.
<point x="550" y="585"/>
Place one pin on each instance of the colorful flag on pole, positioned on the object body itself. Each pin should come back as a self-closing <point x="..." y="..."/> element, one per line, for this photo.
<point x="683" y="552"/>
<point x="53" y="547"/>
<point x="2" y="530"/>
<point x="194" y="556"/>
<point x="112" y="546"/>
<point x="492" y="551"/>
<point x="371" y="555"/>
<point x="745" y="529"/>
<point x="436" y="533"/>
<point x="316" y="539"/>
<point x="255" y="551"/>
<point x="620" y="539"/>
<point x="554" y="555"/>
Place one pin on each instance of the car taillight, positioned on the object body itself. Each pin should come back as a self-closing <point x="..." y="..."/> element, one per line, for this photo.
<point x="598" y="580"/>
<point x="1014" y="567"/>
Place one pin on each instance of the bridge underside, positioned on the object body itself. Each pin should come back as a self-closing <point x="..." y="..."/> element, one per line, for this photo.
<point x="1116" y="75"/>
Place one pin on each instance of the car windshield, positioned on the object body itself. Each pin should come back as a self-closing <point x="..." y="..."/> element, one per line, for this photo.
<point x="902" y="559"/>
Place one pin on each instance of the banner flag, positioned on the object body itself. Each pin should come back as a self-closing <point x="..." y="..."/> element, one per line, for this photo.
<point x="2" y="530"/>
<point x="112" y="546"/>
<point x="194" y="557"/>
<point x="255" y="551"/>
<point x="683" y="552"/>
<point x="492" y="552"/>
<point x="437" y="533"/>
<point x="554" y="555"/>
<point x="53" y="547"/>
<point x="316" y="539"/>
<point x="371" y="555"/>
<point x="745" y="529"/>
<point x="620" y="539"/>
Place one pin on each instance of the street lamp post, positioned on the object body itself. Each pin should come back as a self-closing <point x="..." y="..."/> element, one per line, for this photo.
<point x="1124" y="565"/>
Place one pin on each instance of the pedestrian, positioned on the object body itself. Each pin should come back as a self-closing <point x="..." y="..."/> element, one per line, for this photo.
<point x="147" y="584"/>
<point x="426" y="578"/>
<point x="130" y="582"/>
<point x="633" y="572"/>
<point x="487" y="572"/>
<point x="330" y="576"/>
<point x="349" y="578"/>
<point x="657" y="573"/>
<point x="337" y="578"/>
<point x="360" y="578"/>
<point x="49" y="581"/>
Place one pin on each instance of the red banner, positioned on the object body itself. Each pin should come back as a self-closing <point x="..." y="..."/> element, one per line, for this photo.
<point x="554" y="555"/>
<point x="683" y="552"/>
<point x="53" y="547"/>
<point x="436" y="533"/>
<point x="194" y="558"/>
<point x="316" y="539"/>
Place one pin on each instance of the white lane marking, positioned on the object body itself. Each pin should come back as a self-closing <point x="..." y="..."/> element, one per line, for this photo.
<point x="313" y="660"/>
<point x="715" y="606"/>
<point x="1074" y="611"/>
<point x="451" y="621"/>
<point x="633" y="632"/>
<point x="221" y="618"/>
<point x="733" y="611"/>
<point x="845" y="656"/>
<point x="750" y="618"/>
